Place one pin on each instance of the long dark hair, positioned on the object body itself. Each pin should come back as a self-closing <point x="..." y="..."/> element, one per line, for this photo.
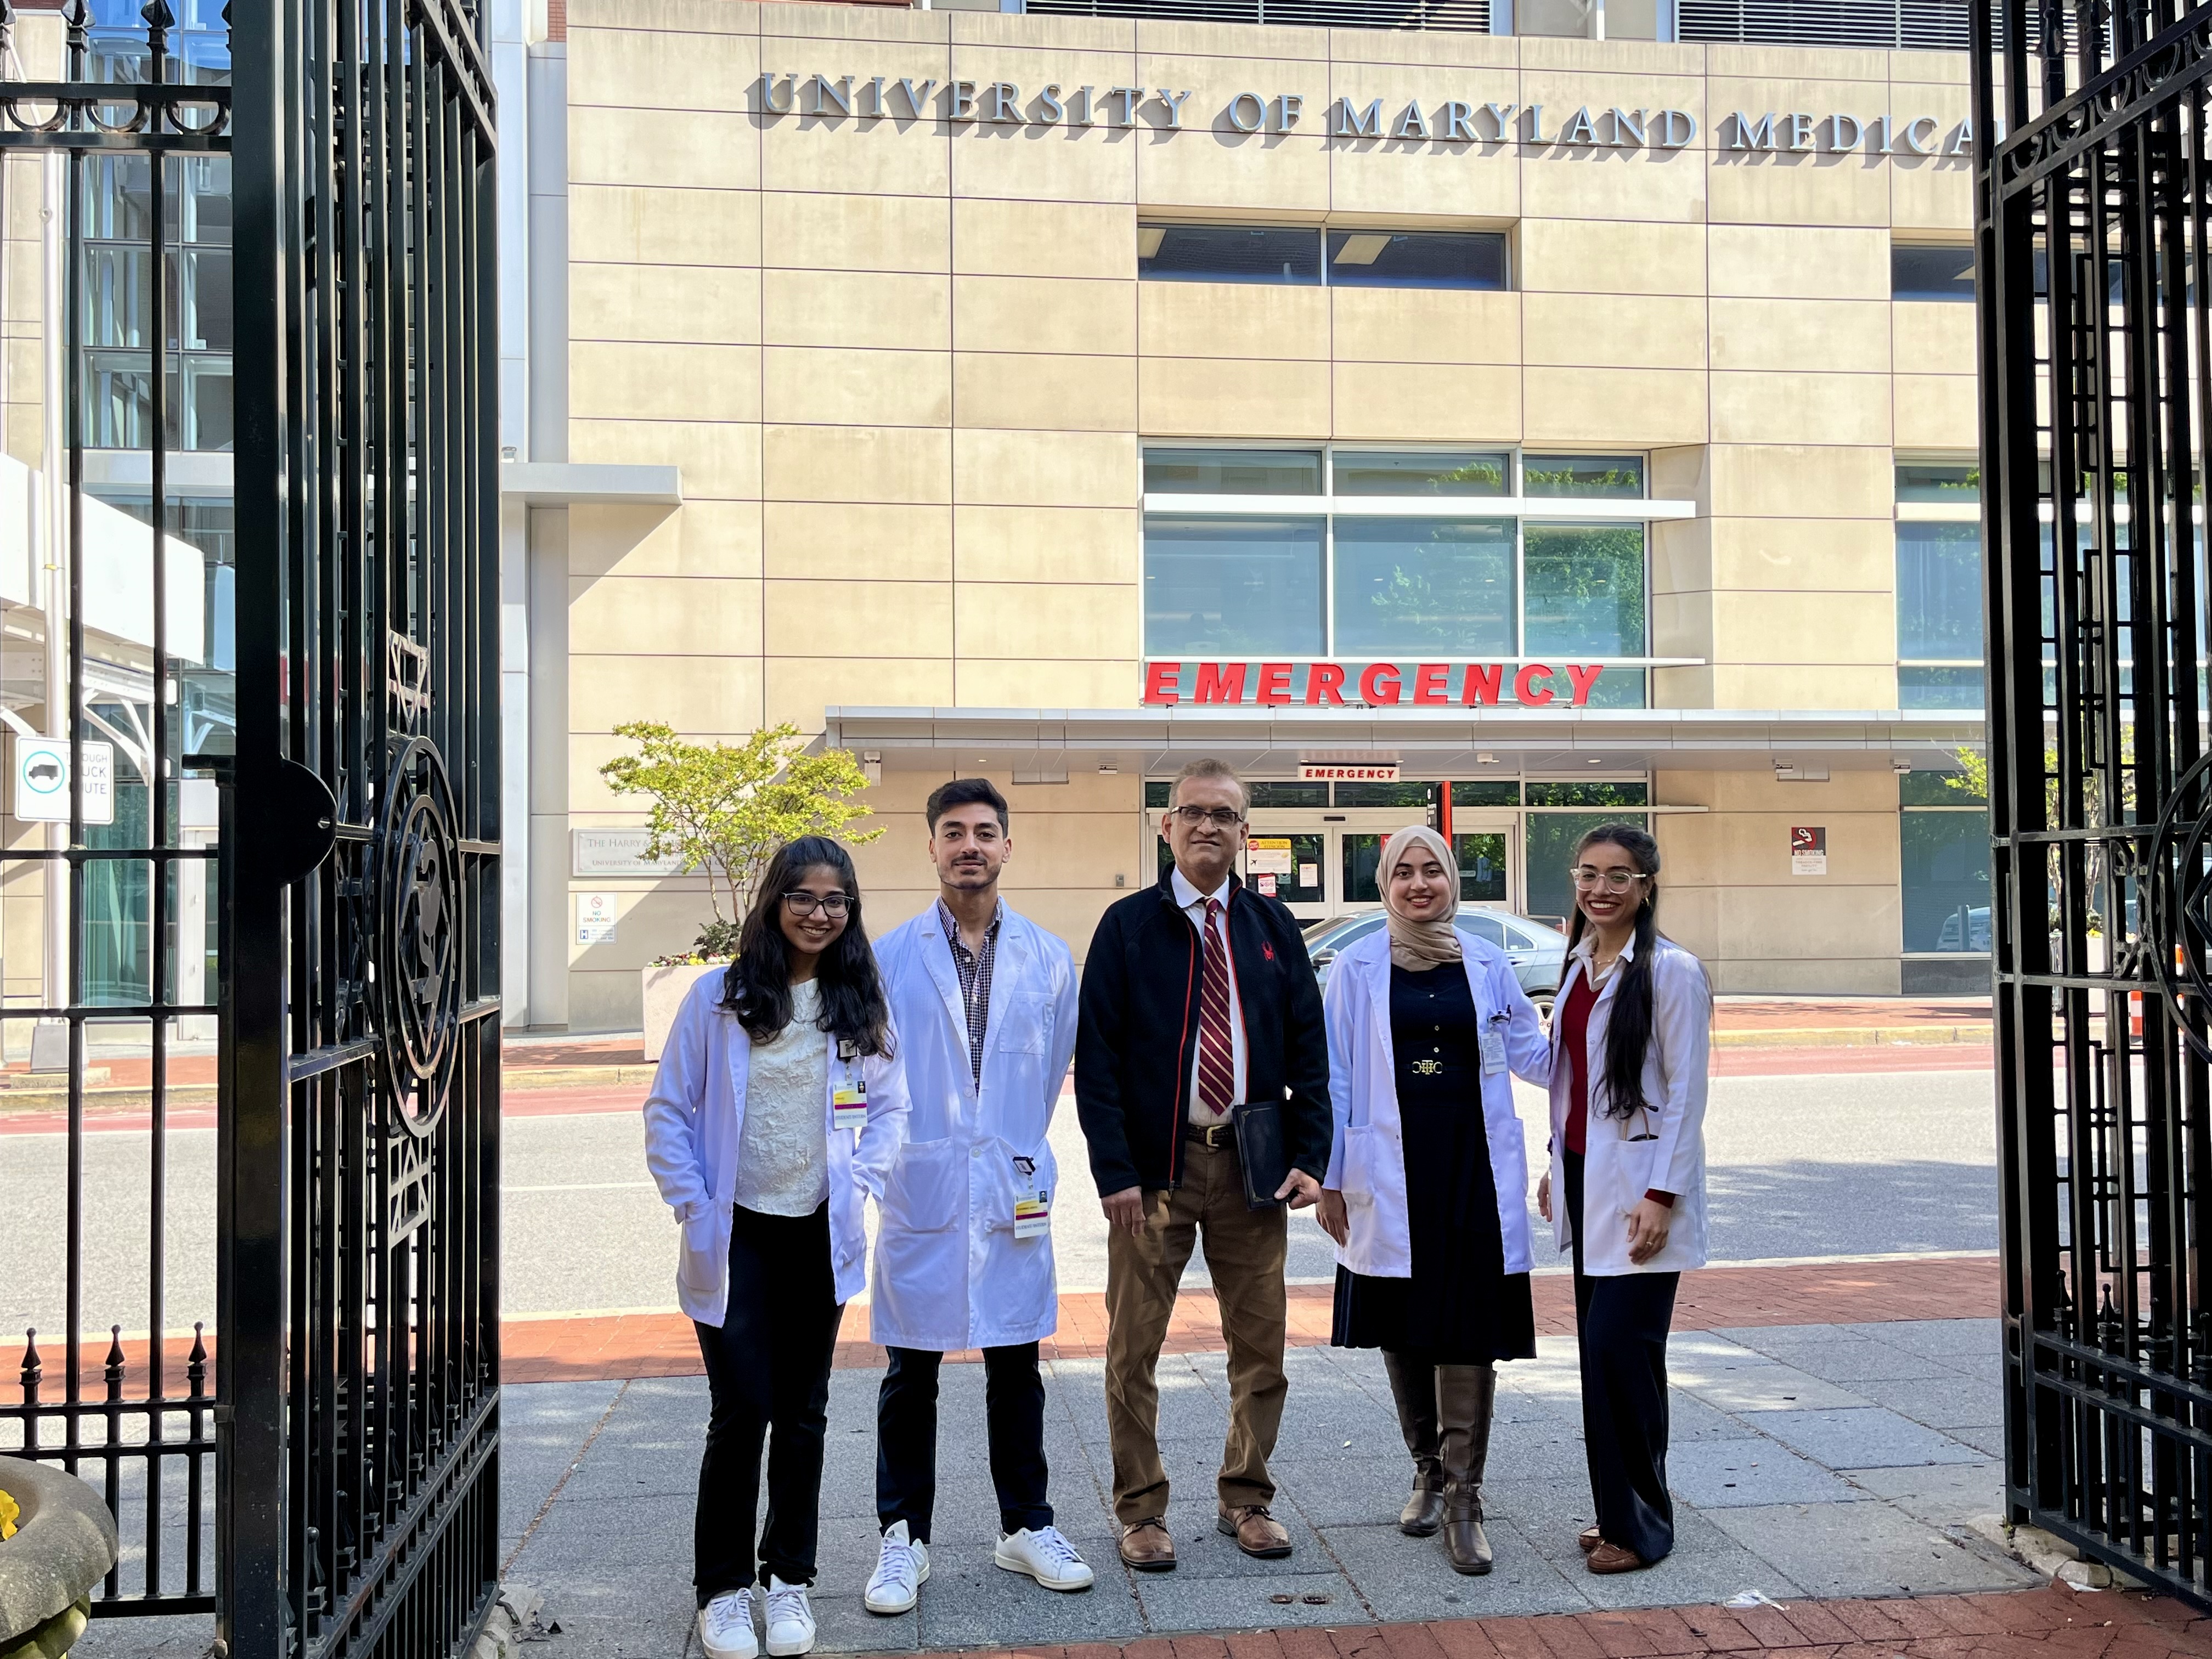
<point x="1628" y="1031"/>
<point x="758" y="988"/>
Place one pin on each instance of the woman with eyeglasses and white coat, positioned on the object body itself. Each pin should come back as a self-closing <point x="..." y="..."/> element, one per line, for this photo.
<point x="1631" y="1039"/>
<point x="1426" y="1192"/>
<point x="779" y="1106"/>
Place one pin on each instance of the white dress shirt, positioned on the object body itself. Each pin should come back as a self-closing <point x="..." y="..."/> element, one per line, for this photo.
<point x="1193" y="904"/>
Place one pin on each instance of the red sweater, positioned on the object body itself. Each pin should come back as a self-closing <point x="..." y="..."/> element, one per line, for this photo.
<point x="1574" y="1044"/>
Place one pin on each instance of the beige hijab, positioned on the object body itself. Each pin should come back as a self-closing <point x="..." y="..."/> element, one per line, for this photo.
<point x="1415" y="946"/>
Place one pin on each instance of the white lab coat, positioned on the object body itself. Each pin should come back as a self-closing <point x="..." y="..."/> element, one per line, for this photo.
<point x="695" y="1118"/>
<point x="949" y="1274"/>
<point x="1662" y="1147"/>
<point x="1367" y="1160"/>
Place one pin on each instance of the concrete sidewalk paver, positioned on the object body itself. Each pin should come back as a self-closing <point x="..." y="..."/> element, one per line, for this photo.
<point x="1847" y="1498"/>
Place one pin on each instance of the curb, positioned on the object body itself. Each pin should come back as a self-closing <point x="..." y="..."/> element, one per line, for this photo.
<point x="1855" y="1037"/>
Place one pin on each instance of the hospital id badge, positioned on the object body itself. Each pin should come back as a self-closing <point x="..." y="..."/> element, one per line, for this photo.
<point x="1032" y="1212"/>
<point x="848" y="1106"/>
<point x="1494" y="1051"/>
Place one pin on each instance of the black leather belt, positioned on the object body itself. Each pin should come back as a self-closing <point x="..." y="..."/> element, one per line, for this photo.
<point x="1215" y="1135"/>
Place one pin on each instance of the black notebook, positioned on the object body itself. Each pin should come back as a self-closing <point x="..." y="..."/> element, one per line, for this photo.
<point x="1259" y="1149"/>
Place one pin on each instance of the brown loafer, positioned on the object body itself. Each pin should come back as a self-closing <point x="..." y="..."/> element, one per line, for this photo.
<point x="1591" y="1539"/>
<point x="1148" y="1546"/>
<point x="1611" y="1558"/>
<point x="1257" y="1532"/>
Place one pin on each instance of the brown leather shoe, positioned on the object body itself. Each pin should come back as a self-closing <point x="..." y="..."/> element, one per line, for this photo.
<point x="1148" y="1546"/>
<point x="1589" y="1538"/>
<point x="1257" y="1532"/>
<point x="1611" y="1558"/>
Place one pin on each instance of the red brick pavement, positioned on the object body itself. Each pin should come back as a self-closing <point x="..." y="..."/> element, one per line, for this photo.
<point x="2054" y="1623"/>
<point x="558" y="1349"/>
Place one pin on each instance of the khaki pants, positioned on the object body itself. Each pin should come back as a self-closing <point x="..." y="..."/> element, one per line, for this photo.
<point x="1245" y="1253"/>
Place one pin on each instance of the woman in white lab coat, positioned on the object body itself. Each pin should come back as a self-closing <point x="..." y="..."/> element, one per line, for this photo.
<point x="1631" y="1035"/>
<point x="1426" y="1192"/>
<point x="778" y="1106"/>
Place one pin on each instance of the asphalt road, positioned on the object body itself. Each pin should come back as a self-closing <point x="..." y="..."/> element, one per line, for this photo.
<point x="1833" y="1164"/>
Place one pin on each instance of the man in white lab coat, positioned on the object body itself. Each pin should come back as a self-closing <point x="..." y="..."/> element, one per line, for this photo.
<point x="984" y="1007"/>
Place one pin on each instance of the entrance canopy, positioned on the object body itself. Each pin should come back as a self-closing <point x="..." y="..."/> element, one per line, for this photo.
<point x="1441" y="742"/>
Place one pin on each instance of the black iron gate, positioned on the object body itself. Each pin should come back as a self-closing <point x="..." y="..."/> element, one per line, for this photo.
<point x="2095" y="211"/>
<point x="331" y="663"/>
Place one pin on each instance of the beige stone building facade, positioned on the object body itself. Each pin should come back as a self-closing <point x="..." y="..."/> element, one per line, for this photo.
<point x="1528" y="430"/>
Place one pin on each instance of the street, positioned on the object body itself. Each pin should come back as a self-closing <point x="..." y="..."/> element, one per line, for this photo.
<point x="1844" y="1162"/>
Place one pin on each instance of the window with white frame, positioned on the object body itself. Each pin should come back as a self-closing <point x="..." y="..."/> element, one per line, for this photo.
<point x="1443" y="554"/>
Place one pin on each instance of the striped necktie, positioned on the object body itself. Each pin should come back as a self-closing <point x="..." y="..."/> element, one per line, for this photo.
<point x="1217" y="1052"/>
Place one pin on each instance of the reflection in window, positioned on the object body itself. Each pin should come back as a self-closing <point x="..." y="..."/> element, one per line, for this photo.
<point x="1214" y="587"/>
<point x="1382" y="258"/>
<point x="1487" y="794"/>
<point x="1464" y="473"/>
<point x="1229" y="253"/>
<point x="1957" y="482"/>
<point x="1921" y="686"/>
<point x="1939" y="615"/>
<point x="1919" y="271"/>
<point x="1586" y="599"/>
<point x="1481" y="868"/>
<point x="1439" y="586"/>
<point x="1945" y="858"/>
<point x="1551" y="838"/>
<point x="1233" y="471"/>
<point x="1614" y="476"/>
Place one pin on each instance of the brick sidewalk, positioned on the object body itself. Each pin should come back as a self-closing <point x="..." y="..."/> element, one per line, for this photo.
<point x="553" y="1348"/>
<point x="2011" y="1625"/>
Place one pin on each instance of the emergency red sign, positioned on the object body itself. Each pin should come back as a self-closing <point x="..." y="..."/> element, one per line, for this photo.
<point x="1375" y="685"/>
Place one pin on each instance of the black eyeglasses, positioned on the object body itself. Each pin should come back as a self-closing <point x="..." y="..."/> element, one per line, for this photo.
<point x="803" y="903"/>
<point x="1221" y="817"/>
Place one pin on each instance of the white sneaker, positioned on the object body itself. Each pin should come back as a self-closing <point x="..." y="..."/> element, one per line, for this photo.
<point x="901" y="1571"/>
<point x="725" y="1627"/>
<point x="790" y="1619"/>
<point x="1044" y="1555"/>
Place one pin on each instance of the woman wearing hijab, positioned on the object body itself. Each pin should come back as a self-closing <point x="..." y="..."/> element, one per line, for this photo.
<point x="1425" y="1194"/>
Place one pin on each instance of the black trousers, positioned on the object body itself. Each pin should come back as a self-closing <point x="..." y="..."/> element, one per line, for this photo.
<point x="906" y="1439"/>
<point x="1620" y="1328"/>
<point x="768" y="1377"/>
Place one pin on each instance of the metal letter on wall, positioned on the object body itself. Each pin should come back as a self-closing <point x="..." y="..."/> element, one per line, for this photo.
<point x="2094" y="278"/>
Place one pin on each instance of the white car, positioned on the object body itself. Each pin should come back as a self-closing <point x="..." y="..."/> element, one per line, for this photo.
<point x="1538" y="953"/>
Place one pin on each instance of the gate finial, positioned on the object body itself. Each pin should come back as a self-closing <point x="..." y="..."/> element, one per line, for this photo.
<point x="34" y="1367"/>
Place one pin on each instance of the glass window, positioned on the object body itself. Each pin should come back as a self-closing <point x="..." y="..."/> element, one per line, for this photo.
<point x="1550" y="849"/>
<point x="1959" y="482"/>
<point x="1216" y="587"/>
<point x="1586" y="599"/>
<point x="1567" y="17"/>
<point x="1939" y="591"/>
<point x="1156" y="792"/>
<point x="1287" y="867"/>
<point x="1937" y="789"/>
<point x="1229" y="253"/>
<point x="1360" y="854"/>
<point x="1480" y="923"/>
<point x="1233" y="471"/>
<point x="1612" y="476"/>
<point x="1924" y="687"/>
<point x="1440" y="585"/>
<point x="1922" y="271"/>
<point x="1596" y="791"/>
<point x="1287" y="794"/>
<point x="1481" y="870"/>
<point x="1385" y="258"/>
<point x="1946" y="881"/>
<point x="1487" y="794"/>
<point x="1418" y="796"/>
<point x="1460" y="472"/>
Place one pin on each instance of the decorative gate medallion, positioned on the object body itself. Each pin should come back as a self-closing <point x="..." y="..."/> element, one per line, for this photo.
<point x="417" y="977"/>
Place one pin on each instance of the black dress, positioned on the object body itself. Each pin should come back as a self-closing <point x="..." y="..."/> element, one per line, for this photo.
<point x="1461" y="1307"/>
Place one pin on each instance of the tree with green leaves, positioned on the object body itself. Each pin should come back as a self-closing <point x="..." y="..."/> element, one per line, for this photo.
<point x="727" y="808"/>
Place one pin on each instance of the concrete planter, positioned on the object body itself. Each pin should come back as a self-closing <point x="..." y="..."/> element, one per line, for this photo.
<point x="65" y="1543"/>
<point x="666" y="987"/>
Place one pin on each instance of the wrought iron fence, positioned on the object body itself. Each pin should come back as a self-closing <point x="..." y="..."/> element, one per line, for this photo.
<point x="283" y="602"/>
<point x="2094" y="209"/>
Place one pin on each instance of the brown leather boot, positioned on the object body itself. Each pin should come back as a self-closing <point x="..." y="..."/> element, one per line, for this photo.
<point x="1413" y="1386"/>
<point x="1465" y="1397"/>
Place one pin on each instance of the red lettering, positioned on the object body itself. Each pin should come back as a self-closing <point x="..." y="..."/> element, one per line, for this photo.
<point x="1163" y="681"/>
<point x="1220" y="682"/>
<point x="1584" y="676"/>
<point x="1524" y="685"/>
<point x="1378" y="684"/>
<point x="1481" y="684"/>
<point x="1429" y="683"/>
<point x="1324" y="684"/>
<point x="1275" y="682"/>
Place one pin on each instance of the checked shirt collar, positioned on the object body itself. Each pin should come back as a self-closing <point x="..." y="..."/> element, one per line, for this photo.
<point x="974" y="967"/>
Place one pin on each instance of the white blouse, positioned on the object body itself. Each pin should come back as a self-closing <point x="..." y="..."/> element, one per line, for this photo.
<point x="783" y="1148"/>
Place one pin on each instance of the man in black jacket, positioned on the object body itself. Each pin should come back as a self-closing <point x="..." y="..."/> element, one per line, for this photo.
<point x="1198" y="995"/>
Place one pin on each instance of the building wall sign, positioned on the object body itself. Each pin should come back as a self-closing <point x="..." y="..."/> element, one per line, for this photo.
<point x="1448" y="121"/>
<point x="1373" y="685"/>
<point x="616" y="852"/>
<point x="1321" y="771"/>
